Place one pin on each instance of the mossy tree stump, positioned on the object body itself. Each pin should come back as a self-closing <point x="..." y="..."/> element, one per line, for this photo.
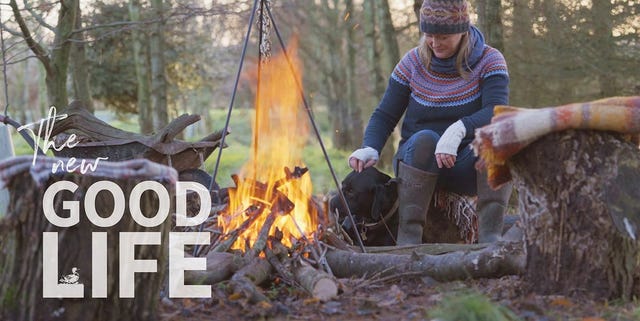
<point x="21" y="259"/>
<point x="579" y="195"/>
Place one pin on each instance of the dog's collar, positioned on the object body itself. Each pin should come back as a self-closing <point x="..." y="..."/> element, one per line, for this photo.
<point x="385" y="218"/>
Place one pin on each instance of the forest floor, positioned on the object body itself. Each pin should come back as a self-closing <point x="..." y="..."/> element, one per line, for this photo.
<point x="408" y="298"/>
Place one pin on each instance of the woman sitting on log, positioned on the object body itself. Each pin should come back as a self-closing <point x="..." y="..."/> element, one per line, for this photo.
<point x="445" y="88"/>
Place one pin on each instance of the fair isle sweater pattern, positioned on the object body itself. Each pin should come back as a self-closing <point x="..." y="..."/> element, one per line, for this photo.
<point x="433" y="89"/>
<point x="434" y="100"/>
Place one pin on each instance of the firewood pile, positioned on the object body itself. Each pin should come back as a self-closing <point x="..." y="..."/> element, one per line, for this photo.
<point x="319" y="265"/>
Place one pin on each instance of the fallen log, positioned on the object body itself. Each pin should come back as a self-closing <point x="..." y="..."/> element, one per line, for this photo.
<point x="427" y="248"/>
<point x="496" y="260"/>
<point x="578" y="193"/>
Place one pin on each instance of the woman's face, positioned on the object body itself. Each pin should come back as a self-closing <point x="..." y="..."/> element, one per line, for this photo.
<point x="444" y="46"/>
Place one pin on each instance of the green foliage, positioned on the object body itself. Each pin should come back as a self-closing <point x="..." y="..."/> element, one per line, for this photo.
<point x="113" y="75"/>
<point x="112" y="68"/>
<point x="470" y="306"/>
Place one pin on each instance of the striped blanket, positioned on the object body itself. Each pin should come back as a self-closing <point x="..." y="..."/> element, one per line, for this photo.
<point x="512" y="129"/>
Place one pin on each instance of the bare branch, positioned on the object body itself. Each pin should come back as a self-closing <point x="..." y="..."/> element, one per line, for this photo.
<point x="15" y="33"/>
<point x="38" y="17"/>
<point x="115" y="24"/>
<point x="37" y="49"/>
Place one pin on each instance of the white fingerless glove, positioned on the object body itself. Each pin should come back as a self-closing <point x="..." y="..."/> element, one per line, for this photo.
<point x="365" y="154"/>
<point x="451" y="139"/>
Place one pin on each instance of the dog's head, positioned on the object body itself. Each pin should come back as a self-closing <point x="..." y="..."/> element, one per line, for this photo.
<point x="370" y="195"/>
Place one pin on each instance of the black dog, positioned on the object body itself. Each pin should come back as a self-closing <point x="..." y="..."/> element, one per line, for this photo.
<point x="372" y="199"/>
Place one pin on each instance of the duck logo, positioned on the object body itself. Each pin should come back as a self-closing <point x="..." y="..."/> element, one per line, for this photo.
<point x="72" y="278"/>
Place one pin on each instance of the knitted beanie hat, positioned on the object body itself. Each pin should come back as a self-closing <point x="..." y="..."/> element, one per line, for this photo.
<point x="444" y="16"/>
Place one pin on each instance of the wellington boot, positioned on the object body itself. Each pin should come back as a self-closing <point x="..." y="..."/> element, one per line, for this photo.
<point x="415" y="189"/>
<point x="491" y="206"/>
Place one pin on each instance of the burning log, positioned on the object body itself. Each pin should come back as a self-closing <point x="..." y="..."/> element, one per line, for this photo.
<point x="261" y="242"/>
<point x="496" y="260"/>
<point x="232" y="237"/>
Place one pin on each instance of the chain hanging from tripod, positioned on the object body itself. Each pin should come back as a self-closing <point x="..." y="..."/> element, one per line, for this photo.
<point x="266" y="23"/>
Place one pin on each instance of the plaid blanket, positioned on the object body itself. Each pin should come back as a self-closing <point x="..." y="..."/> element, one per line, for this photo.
<point x="41" y="169"/>
<point x="512" y="129"/>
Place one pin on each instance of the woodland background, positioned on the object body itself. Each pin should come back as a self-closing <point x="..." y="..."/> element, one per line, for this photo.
<point x="140" y="64"/>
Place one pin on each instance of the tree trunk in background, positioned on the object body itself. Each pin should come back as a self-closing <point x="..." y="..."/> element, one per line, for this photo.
<point x="56" y="61"/>
<point x="158" y="80"/>
<point x="57" y="75"/>
<point x="79" y="68"/>
<point x="354" y="112"/>
<point x="603" y="38"/>
<point x="23" y="89"/>
<point x="145" y="115"/>
<point x="373" y="52"/>
<point x="391" y="52"/>
<point x="390" y="57"/>
<point x="521" y="77"/>
<point x="417" y="4"/>
<point x="490" y="22"/>
<point x="346" y="131"/>
<point x="6" y="151"/>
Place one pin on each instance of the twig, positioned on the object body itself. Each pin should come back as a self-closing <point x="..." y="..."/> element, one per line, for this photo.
<point x="263" y="235"/>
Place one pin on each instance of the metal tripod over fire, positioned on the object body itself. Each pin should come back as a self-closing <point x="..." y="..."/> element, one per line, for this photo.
<point x="269" y="192"/>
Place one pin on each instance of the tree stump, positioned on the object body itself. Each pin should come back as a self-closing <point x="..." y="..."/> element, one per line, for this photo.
<point x="21" y="243"/>
<point x="579" y="200"/>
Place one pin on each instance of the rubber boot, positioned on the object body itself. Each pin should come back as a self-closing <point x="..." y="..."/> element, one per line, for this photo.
<point x="415" y="189"/>
<point x="490" y="207"/>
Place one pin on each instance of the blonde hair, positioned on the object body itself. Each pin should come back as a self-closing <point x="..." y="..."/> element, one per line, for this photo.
<point x="462" y="59"/>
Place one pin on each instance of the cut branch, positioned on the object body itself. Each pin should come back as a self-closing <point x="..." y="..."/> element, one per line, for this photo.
<point x="429" y="248"/>
<point x="245" y="281"/>
<point x="220" y="267"/>
<point x="318" y="283"/>
<point x="494" y="261"/>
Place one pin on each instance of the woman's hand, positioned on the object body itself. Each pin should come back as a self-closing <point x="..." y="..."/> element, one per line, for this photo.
<point x="363" y="158"/>
<point x="447" y="147"/>
<point x="445" y="160"/>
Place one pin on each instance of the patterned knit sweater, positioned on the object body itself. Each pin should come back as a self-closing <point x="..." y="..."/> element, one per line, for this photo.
<point x="434" y="100"/>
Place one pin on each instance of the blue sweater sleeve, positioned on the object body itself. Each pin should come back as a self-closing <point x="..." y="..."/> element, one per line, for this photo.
<point x="495" y="91"/>
<point x="386" y="116"/>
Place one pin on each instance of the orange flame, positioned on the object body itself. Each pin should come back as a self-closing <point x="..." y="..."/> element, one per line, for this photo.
<point x="280" y="133"/>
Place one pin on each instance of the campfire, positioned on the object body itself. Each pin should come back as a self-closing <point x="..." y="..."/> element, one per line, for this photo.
<point x="273" y="190"/>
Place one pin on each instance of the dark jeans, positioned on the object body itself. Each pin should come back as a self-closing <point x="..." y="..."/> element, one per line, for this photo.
<point x="419" y="152"/>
